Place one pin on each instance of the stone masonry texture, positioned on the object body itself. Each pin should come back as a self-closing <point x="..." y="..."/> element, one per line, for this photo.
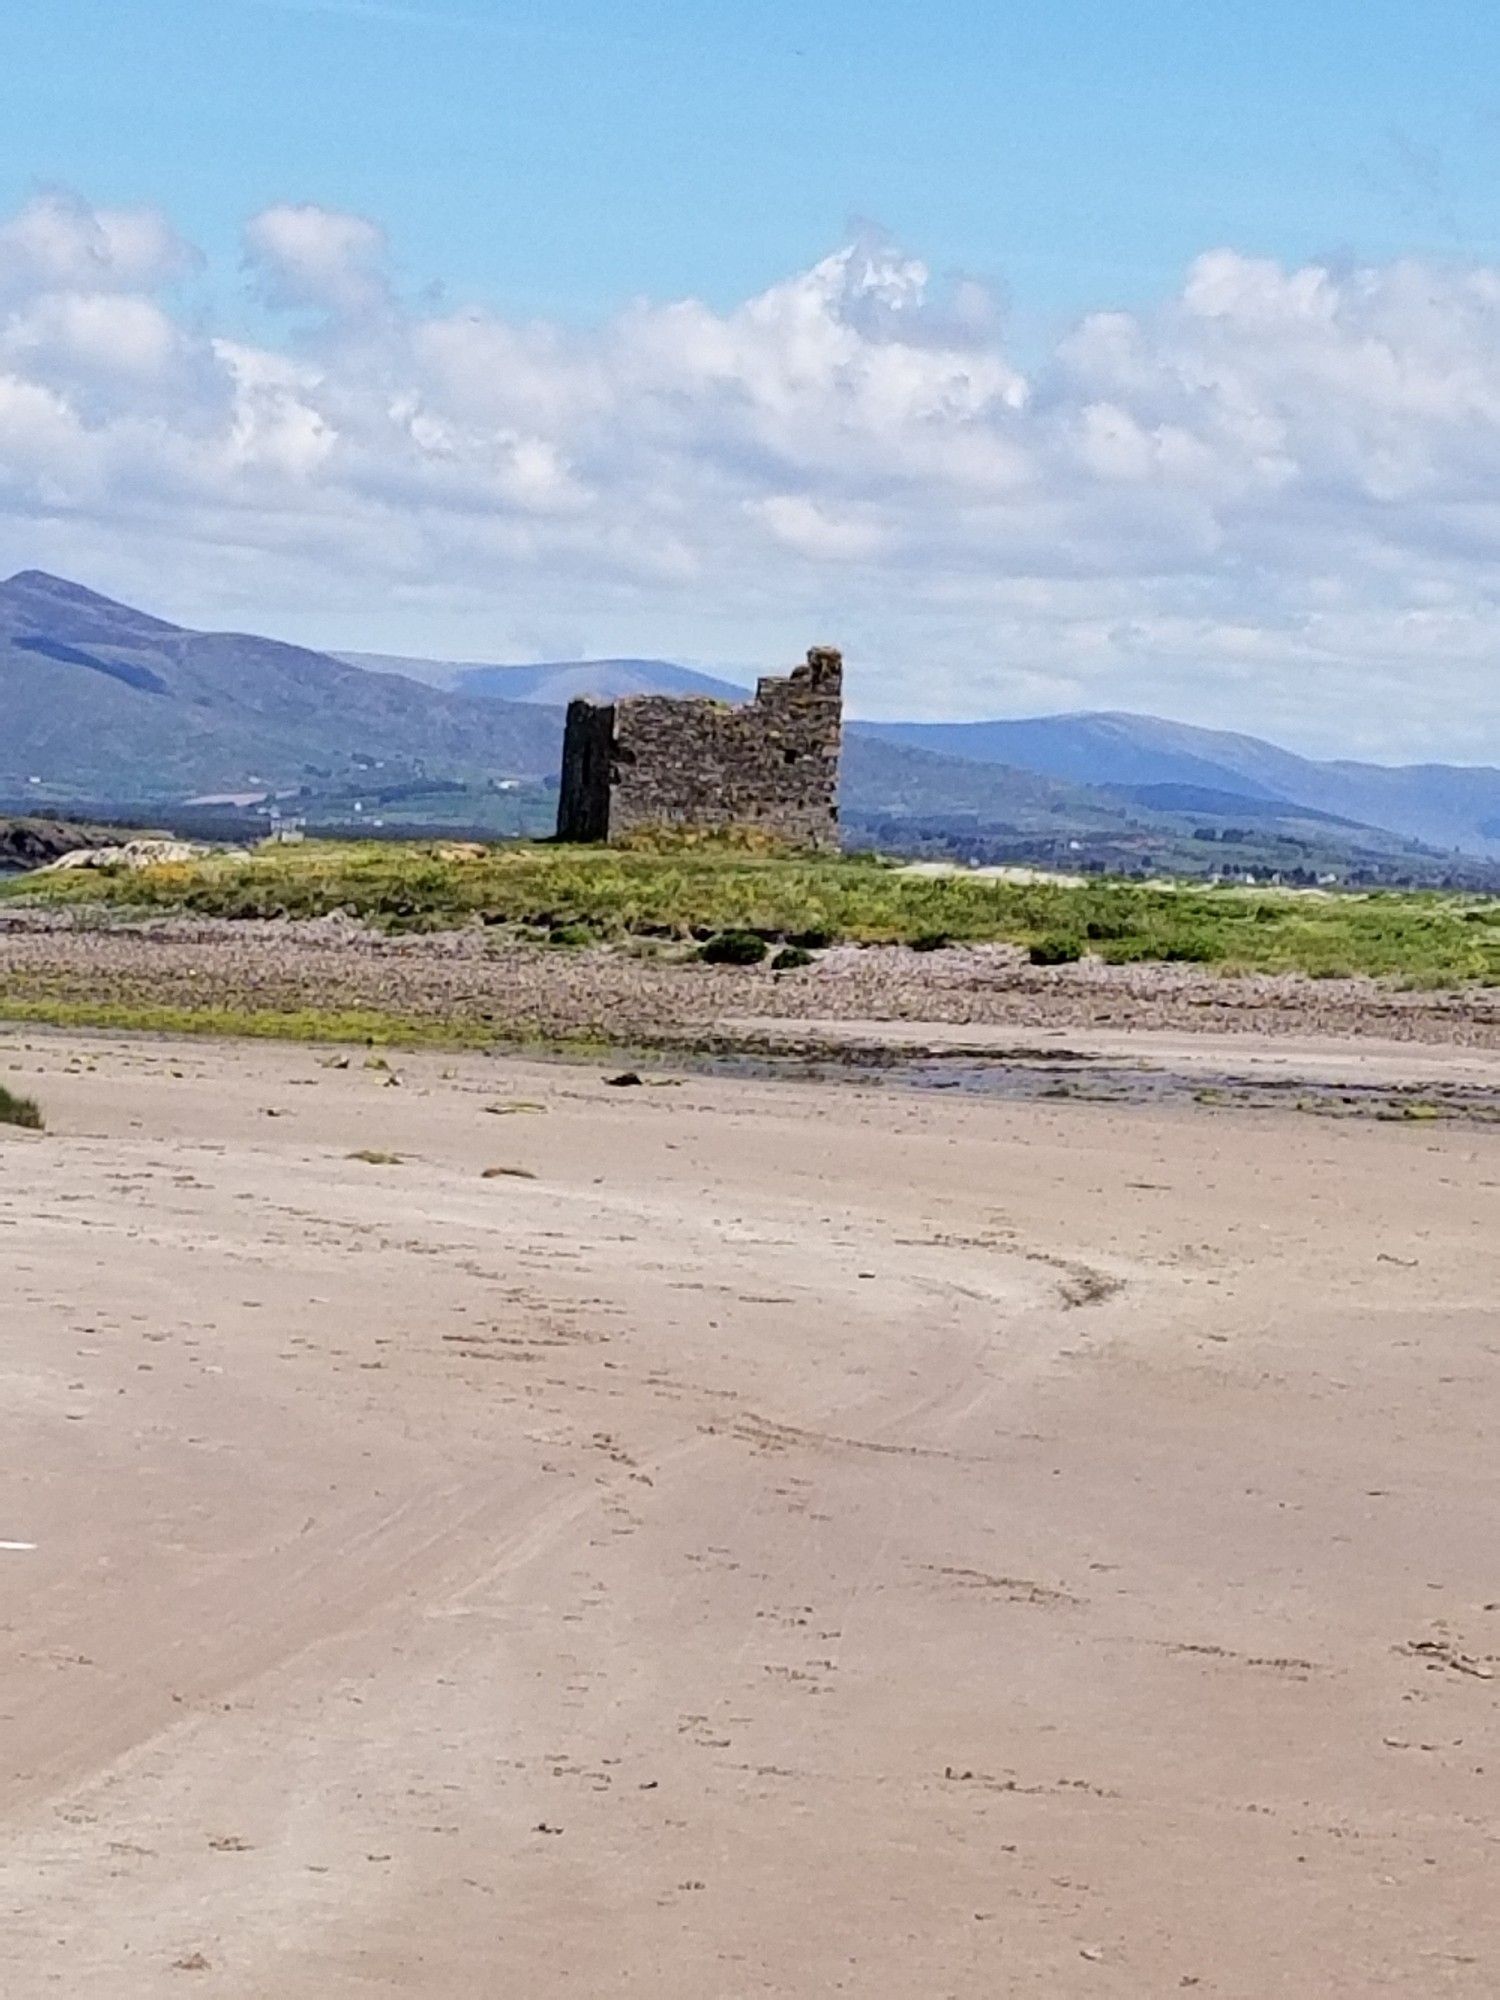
<point x="660" y="761"/>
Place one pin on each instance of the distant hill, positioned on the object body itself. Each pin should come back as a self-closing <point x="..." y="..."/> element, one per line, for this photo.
<point x="554" y="683"/>
<point x="886" y="779"/>
<point x="102" y="701"/>
<point x="1446" y="805"/>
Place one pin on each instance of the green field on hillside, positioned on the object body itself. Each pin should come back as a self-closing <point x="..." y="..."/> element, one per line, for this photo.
<point x="581" y="896"/>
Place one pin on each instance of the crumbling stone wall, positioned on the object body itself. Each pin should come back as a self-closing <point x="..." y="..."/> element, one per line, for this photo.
<point x="657" y="760"/>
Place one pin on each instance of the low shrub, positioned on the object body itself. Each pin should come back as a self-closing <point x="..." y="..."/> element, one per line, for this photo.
<point x="1191" y="950"/>
<point x="790" y="957"/>
<point x="734" y="948"/>
<point x="930" y="941"/>
<point x="1056" y="951"/>
<point x="19" y="1111"/>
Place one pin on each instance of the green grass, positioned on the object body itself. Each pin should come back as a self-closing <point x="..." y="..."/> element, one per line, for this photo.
<point x="304" y="1024"/>
<point x="338" y="1026"/>
<point x="1421" y="937"/>
<point x="20" y="1111"/>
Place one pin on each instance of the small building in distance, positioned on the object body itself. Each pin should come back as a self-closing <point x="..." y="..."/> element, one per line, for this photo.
<point x="653" y="760"/>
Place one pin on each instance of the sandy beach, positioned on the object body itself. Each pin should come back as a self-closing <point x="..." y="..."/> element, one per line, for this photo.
<point x="469" y="1529"/>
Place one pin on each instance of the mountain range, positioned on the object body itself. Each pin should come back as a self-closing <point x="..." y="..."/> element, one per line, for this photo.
<point x="104" y="705"/>
<point x="1445" y="805"/>
<point x="553" y="683"/>
<point x="101" y="701"/>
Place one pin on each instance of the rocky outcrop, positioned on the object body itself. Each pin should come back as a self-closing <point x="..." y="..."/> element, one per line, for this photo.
<point x="136" y="854"/>
<point x="35" y="843"/>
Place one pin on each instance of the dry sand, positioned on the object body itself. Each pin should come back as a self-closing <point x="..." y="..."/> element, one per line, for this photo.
<point x="803" y="1541"/>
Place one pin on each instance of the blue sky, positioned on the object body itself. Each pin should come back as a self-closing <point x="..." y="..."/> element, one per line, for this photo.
<point x="562" y="158"/>
<point x="1047" y="356"/>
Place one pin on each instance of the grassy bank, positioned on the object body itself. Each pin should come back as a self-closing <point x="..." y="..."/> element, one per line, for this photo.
<point x="351" y="1026"/>
<point x="580" y="895"/>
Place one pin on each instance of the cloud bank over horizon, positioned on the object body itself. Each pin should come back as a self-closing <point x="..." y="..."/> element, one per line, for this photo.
<point x="1271" y="502"/>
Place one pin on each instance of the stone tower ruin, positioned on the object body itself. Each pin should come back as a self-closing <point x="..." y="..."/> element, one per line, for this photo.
<point x="663" y="761"/>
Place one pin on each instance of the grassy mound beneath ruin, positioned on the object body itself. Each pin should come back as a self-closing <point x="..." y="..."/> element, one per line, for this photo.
<point x="688" y="895"/>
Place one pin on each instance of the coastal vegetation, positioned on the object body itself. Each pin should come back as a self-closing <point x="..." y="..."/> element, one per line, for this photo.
<point x="21" y="1111"/>
<point x="687" y="896"/>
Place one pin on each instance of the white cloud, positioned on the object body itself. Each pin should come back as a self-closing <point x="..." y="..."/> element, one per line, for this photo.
<point x="800" y="524"/>
<point x="58" y="243"/>
<point x="92" y="334"/>
<point x="304" y="255"/>
<point x="1270" y="501"/>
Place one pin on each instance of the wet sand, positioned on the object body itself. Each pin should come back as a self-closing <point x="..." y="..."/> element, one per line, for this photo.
<point x="771" y="1539"/>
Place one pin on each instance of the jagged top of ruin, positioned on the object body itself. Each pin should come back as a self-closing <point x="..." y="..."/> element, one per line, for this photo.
<point x="823" y="665"/>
